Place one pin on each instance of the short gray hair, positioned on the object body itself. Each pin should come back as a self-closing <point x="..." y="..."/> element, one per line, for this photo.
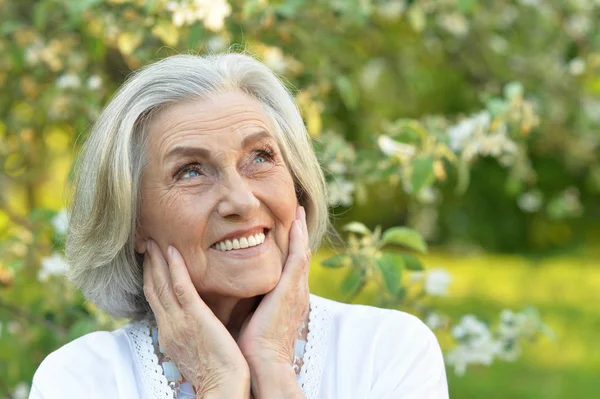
<point x="100" y="241"/>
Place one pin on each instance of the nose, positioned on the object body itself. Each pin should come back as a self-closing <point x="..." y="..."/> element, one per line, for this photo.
<point x="237" y="199"/>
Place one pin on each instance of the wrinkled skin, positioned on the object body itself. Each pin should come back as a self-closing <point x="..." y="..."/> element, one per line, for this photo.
<point x="214" y="169"/>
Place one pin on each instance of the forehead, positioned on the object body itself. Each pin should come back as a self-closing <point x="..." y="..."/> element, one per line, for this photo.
<point x="223" y="120"/>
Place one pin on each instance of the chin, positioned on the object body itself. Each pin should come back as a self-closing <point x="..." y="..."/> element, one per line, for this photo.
<point x="261" y="284"/>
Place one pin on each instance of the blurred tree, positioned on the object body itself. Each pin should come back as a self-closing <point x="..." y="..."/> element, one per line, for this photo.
<point x="482" y="116"/>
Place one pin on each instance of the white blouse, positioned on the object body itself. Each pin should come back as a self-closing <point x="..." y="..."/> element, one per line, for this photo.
<point x="352" y="351"/>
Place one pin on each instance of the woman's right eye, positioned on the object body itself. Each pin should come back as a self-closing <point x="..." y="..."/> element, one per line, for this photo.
<point x="190" y="171"/>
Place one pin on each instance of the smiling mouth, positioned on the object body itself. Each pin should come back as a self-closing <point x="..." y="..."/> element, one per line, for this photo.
<point x="252" y="240"/>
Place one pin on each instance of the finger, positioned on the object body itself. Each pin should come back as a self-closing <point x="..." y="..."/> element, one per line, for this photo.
<point x="297" y="256"/>
<point x="305" y="233"/>
<point x="184" y="289"/>
<point x="161" y="278"/>
<point x="149" y="291"/>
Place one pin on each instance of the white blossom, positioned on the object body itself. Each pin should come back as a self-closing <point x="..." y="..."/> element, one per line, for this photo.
<point x="60" y="222"/>
<point x="274" y="59"/>
<point x="530" y="201"/>
<point x="572" y="201"/>
<point x="576" y="66"/>
<point x="499" y="44"/>
<point x="455" y="23"/>
<point x="391" y="9"/>
<point x="371" y="72"/>
<point x="496" y="144"/>
<point x="216" y="44"/>
<point x="21" y="391"/>
<point x="433" y="320"/>
<point x="391" y="147"/>
<point x="54" y="265"/>
<point x="476" y="344"/>
<point x="578" y="26"/>
<point x="13" y="327"/>
<point x="336" y="167"/>
<point x="463" y="131"/>
<point x="216" y="12"/>
<point x="68" y="81"/>
<point x="211" y="12"/>
<point x="437" y="281"/>
<point x="340" y="192"/>
<point x="94" y="82"/>
<point x="428" y="195"/>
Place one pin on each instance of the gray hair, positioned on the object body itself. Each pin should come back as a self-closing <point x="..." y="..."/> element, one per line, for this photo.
<point x="104" y="210"/>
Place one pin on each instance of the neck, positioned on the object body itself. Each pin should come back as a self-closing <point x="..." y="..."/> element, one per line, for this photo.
<point x="232" y="312"/>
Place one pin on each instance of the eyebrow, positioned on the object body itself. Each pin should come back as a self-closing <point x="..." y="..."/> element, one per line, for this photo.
<point x="204" y="153"/>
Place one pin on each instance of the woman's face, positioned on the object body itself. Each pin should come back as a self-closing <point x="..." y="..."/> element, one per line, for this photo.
<point x="216" y="179"/>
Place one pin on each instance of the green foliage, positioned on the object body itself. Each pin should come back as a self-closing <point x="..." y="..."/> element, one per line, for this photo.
<point x="405" y="237"/>
<point x="474" y="124"/>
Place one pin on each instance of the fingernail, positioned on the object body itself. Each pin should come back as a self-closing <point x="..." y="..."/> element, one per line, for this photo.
<point x="297" y="222"/>
<point x="148" y="245"/>
<point x="170" y="253"/>
<point x="298" y="212"/>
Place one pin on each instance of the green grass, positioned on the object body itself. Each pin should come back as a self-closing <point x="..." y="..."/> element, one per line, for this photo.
<point x="566" y="291"/>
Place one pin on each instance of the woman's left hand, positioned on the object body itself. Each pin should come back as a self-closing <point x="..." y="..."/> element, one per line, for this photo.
<point x="268" y="337"/>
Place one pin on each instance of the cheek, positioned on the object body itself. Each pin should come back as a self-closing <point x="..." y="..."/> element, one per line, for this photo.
<point x="172" y="219"/>
<point x="279" y="197"/>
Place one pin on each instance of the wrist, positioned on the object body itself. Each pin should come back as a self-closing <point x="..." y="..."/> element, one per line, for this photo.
<point x="274" y="380"/>
<point x="231" y="385"/>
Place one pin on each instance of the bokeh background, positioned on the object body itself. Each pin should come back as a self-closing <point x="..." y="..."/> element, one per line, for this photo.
<point x="474" y="124"/>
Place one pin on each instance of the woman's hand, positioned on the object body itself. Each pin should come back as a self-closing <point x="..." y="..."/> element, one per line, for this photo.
<point x="267" y="340"/>
<point x="189" y="332"/>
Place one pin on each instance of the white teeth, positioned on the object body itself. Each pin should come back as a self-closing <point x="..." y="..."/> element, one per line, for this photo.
<point x="243" y="242"/>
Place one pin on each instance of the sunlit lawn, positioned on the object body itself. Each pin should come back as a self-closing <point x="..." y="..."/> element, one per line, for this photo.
<point x="565" y="290"/>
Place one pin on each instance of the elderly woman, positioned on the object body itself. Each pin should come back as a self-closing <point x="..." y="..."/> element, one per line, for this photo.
<point x="197" y="204"/>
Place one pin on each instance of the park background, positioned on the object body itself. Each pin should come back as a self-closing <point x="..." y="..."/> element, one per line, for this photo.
<point x="473" y="124"/>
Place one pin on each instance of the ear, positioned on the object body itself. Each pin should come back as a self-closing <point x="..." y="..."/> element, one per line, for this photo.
<point x="140" y="240"/>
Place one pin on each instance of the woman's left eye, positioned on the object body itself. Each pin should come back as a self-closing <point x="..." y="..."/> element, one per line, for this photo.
<point x="190" y="173"/>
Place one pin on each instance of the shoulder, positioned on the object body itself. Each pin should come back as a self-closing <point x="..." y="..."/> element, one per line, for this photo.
<point x="403" y="354"/>
<point x="374" y="322"/>
<point x="87" y="364"/>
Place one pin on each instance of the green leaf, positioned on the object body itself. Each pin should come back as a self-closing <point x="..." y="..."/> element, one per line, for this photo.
<point x="80" y="328"/>
<point x="412" y="263"/>
<point x="466" y="6"/>
<point x="348" y="92"/>
<point x="406" y="237"/>
<point x="357" y="227"/>
<point x="391" y="266"/>
<point x="195" y="35"/>
<point x="464" y="177"/>
<point x="353" y="282"/>
<point x="422" y="173"/>
<point x="337" y="261"/>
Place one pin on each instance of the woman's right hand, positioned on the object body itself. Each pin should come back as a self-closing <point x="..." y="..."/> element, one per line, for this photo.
<point x="189" y="332"/>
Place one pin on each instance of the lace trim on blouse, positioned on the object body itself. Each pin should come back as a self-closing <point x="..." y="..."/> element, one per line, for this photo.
<point x="309" y="378"/>
<point x="152" y="371"/>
